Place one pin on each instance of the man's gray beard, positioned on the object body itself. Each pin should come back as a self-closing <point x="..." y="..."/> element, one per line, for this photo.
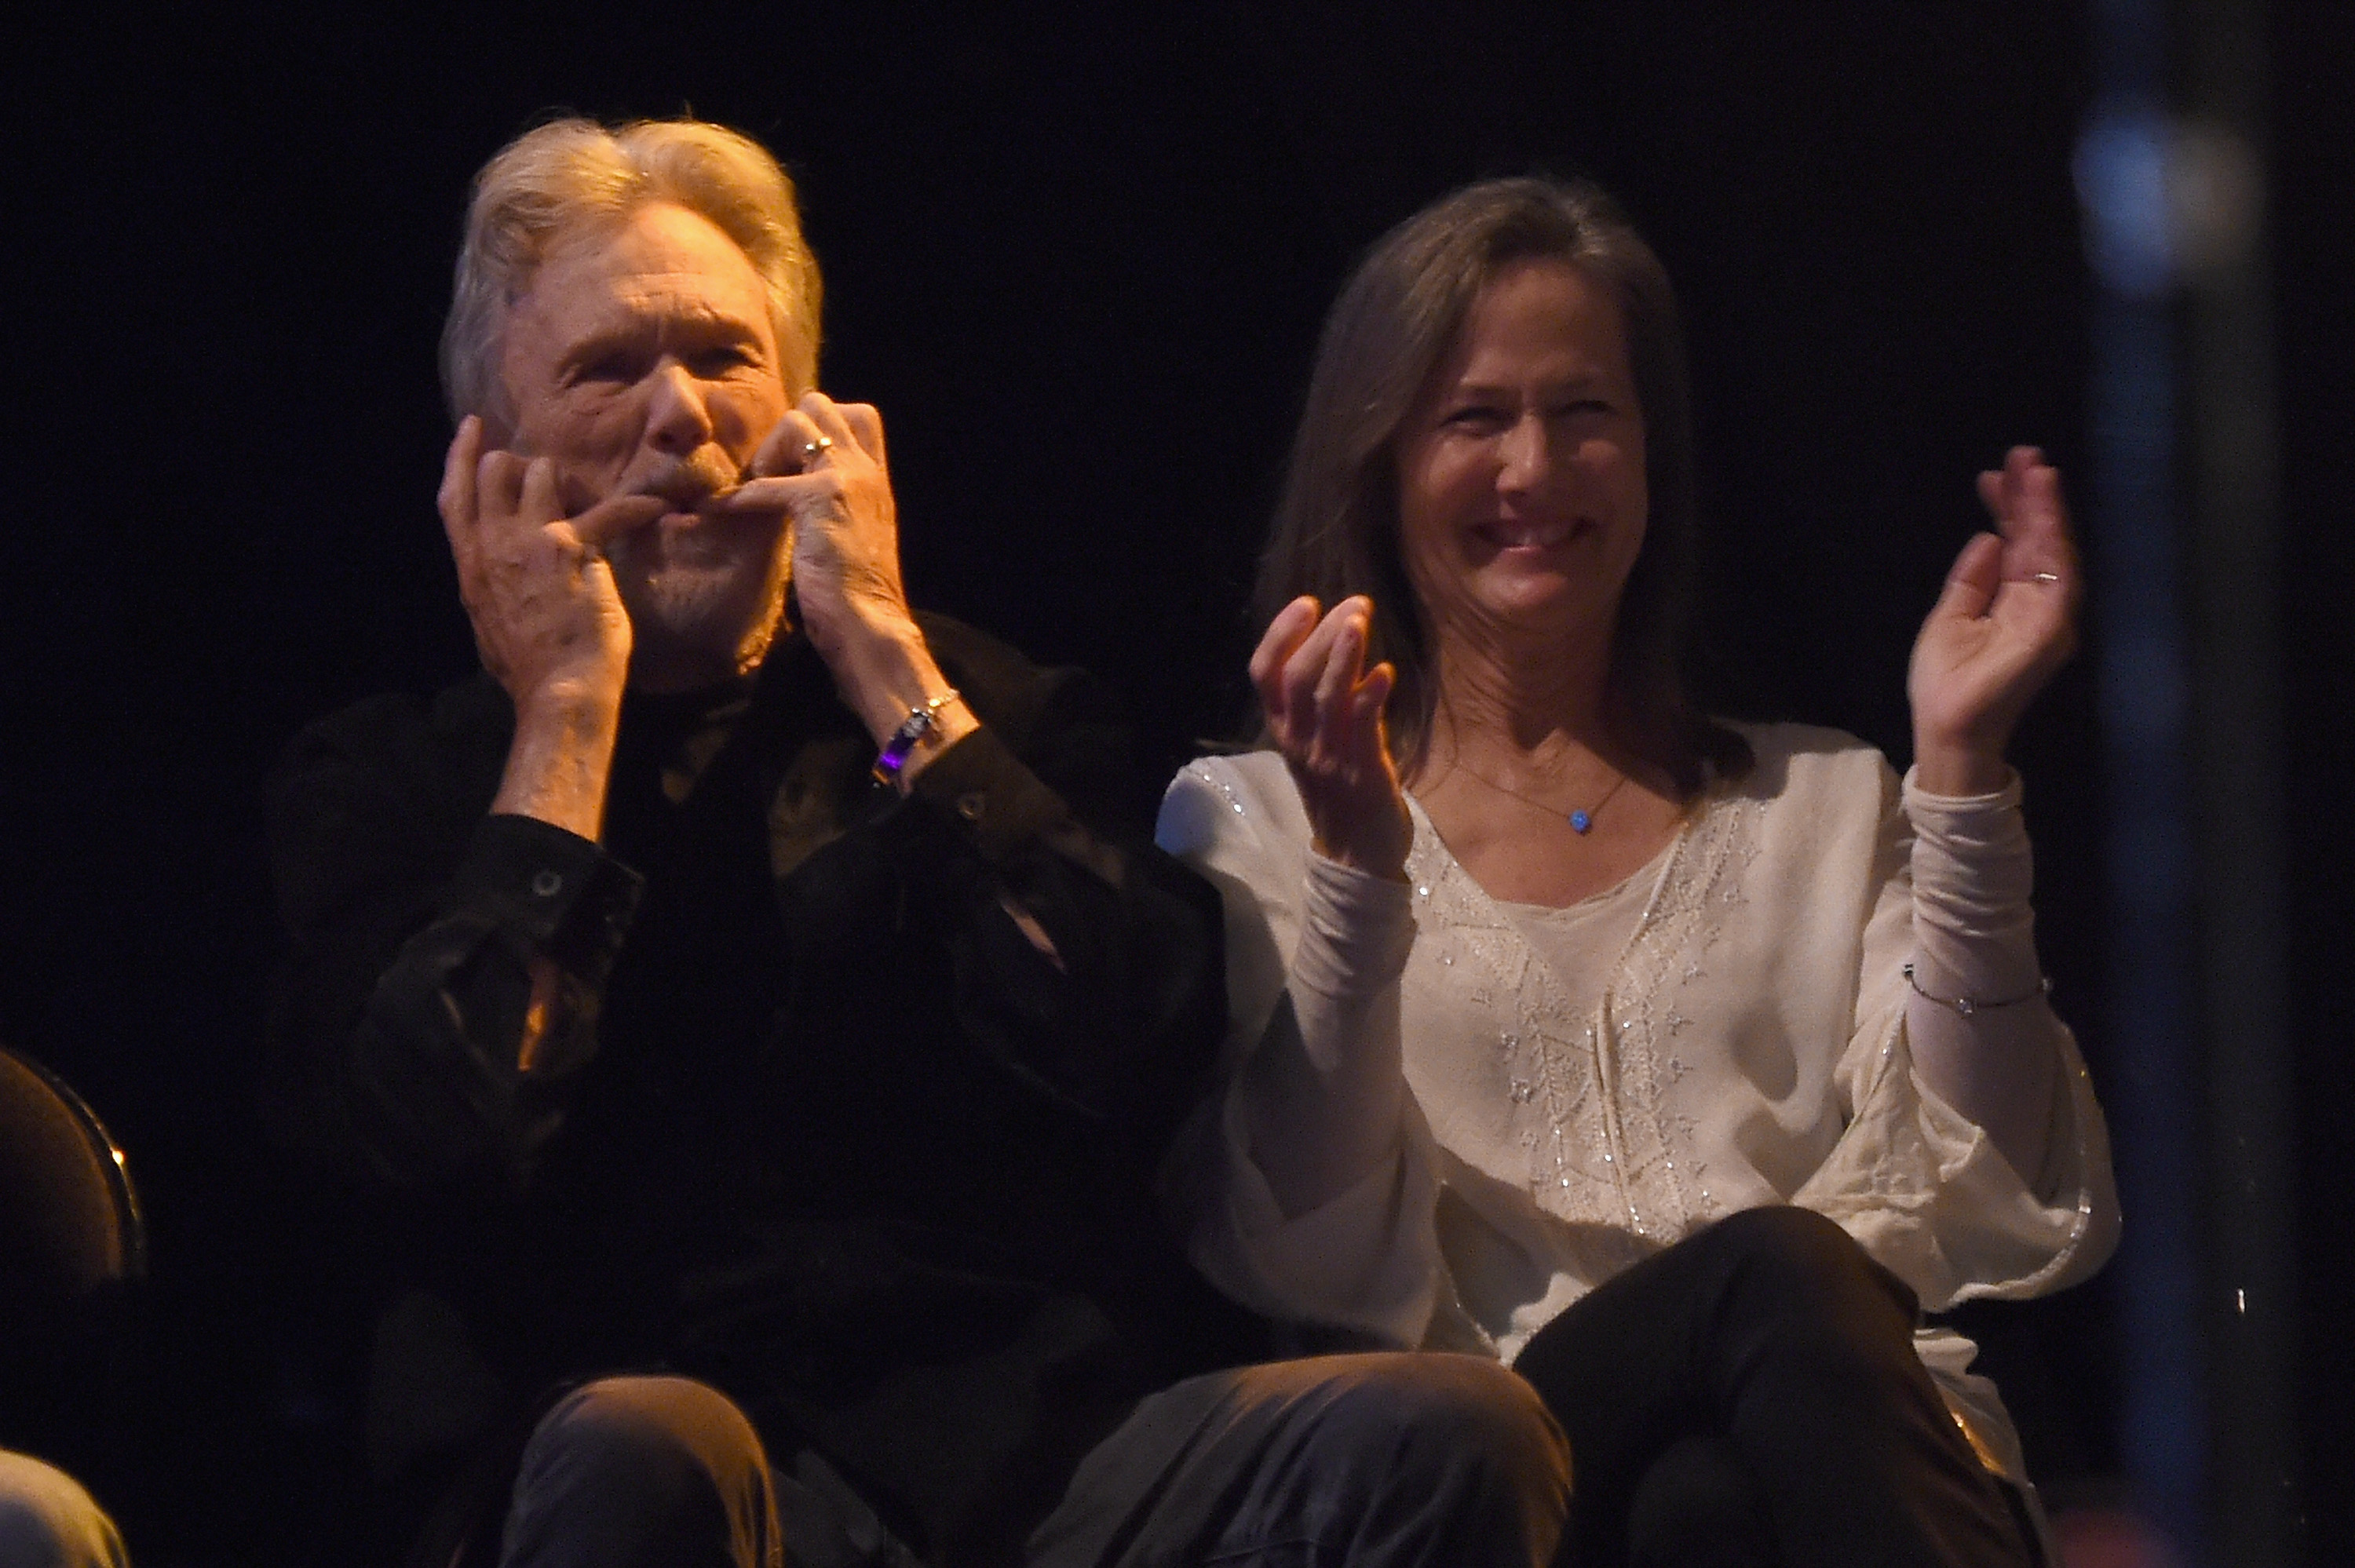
<point x="705" y="603"/>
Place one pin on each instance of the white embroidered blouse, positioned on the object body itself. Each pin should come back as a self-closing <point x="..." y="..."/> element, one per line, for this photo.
<point x="1728" y="1027"/>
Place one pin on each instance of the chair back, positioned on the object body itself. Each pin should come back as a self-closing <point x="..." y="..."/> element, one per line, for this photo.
<point x="69" y="1223"/>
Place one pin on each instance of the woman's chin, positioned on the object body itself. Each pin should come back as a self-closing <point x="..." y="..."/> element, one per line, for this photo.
<point x="1537" y="596"/>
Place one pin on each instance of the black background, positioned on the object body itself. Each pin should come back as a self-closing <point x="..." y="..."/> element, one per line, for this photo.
<point x="1078" y="257"/>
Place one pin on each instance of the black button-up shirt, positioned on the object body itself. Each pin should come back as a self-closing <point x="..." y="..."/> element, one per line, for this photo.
<point x="773" y="1085"/>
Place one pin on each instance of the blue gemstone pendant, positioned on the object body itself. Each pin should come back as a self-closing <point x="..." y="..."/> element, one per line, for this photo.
<point x="1579" y="821"/>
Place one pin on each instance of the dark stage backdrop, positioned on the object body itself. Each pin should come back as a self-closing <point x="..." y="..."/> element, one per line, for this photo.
<point x="1078" y="257"/>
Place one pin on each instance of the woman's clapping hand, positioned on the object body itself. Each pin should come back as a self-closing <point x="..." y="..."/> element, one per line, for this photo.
<point x="2006" y="622"/>
<point x="1324" y="710"/>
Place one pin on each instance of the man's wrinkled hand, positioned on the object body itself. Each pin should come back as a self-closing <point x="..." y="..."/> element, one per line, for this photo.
<point x="823" y="466"/>
<point x="547" y="619"/>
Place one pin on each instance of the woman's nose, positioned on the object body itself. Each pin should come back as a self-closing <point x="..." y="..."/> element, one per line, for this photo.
<point x="1523" y="452"/>
<point x="676" y="419"/>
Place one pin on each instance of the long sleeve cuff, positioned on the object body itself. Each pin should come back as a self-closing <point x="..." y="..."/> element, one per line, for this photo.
<point x="1003" y="808"/>
<point x="558" y="890"/>
<point x="1973" y="874"/>
<point x="1355" y="931"/>
<point x="1341" y="1025"/>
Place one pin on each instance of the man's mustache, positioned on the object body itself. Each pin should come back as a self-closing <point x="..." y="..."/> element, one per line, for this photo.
<point x="691" y="482"/>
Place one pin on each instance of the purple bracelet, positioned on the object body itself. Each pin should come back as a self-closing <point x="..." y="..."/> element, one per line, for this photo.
<point x="893" y="757"/>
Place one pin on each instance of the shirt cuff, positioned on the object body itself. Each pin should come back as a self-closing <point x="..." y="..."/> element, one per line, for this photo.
<point x="1920" y="803"/>
<point x="1357" y="929"/>
<point x="562" y="893"/>
<point x="1971" y="855"/>
<point x="1000" y="805"/>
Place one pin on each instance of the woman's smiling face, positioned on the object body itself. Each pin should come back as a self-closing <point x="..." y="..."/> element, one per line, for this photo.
<point x="1522" y="498"/>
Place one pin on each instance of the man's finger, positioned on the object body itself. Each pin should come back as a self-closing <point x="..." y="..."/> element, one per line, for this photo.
<point x="866" y="425"/>
<point x="456" y="497"/>
<point x="825" y="417"/>
<point x="777" y="492"/>
<point x="537" y="502"/>
<point x="498" y="484"/>
<point x="779" y="452"/>
<point x="461" y="520"/>
<point x="616" y="515"/>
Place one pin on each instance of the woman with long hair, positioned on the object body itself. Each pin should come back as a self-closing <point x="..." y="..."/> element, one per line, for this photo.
<point x="1680" y="1062"/>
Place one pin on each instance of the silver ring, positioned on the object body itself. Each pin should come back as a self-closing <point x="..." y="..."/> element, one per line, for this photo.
<point x="2045" y="577"/>
<point x="810" y="450"/>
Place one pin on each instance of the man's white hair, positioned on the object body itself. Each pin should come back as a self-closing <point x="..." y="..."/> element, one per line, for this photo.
<point x="572" y="171"/>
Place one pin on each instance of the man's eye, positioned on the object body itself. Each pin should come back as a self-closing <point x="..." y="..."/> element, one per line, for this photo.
<point x="607" y="368"/>
<point x="719" y="359"/>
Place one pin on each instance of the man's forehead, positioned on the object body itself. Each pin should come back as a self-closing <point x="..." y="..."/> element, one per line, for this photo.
<point x="667" y="299"/>
<point x="655" y="259"/>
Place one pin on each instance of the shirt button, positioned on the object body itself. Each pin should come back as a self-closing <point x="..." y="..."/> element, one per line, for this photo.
<point x="546" y="885"/>
<point x="969" y="807"/>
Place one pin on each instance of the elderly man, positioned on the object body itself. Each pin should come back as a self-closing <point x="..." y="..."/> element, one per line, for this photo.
<point x="767" y="1000"/>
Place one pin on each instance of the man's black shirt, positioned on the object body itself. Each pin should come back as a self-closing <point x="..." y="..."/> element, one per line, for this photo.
<point x="810" y="1113"/>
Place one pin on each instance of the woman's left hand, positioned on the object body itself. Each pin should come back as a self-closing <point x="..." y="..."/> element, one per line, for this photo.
<point x="2006" y="622"/>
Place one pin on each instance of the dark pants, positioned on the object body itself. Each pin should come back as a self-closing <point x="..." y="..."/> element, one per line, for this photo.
<point x="1385" y="1461"/>
<point x="1750" y="1397"/>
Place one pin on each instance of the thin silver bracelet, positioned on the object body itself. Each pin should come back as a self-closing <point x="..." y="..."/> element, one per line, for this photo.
<point x="1966" y="1005"/>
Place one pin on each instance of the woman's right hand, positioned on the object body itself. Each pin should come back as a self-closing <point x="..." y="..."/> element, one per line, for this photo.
<point x="1324" y="708"/>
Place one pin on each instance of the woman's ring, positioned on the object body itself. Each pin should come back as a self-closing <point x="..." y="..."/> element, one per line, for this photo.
<point x="810" y="450"/>
<point x="2045" y="577"/>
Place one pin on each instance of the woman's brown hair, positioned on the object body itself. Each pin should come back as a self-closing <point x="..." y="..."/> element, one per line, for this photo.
<point x="1335" y="527"/>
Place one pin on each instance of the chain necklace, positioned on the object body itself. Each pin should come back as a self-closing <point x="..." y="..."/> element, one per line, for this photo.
<point x="1582" y="819"/>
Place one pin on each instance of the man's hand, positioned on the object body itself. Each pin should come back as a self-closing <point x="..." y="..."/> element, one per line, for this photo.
<point x="824" y="467"/>
<point x="547" y="621"/>
<point x="1324" y="708"/>
<point x="2005" y="622"/>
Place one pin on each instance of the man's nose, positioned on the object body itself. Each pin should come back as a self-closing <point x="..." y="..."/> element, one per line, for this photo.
<point x="677" y="422"/>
